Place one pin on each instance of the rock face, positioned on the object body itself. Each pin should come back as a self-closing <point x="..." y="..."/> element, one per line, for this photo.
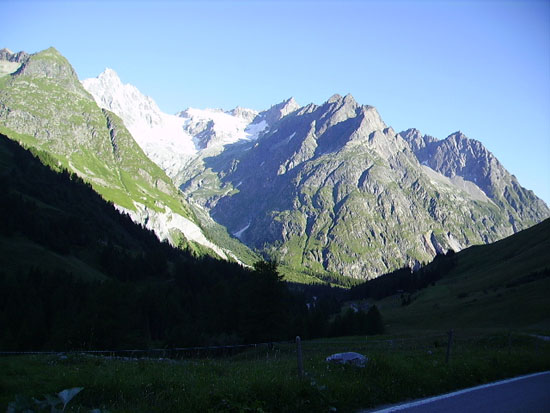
<point x="332" y="188"/>
<point x="460" y="157"/>
<point x="8" y="56"/>
<point x="173" y="141"/>
<point x="328" y="188"/>
<point x="161" y="136"/>
<point x="43" y="105"/>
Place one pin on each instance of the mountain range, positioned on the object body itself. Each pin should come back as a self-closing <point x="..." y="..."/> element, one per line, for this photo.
<point x="44" y="105"/>
<point x="324" y="189"/>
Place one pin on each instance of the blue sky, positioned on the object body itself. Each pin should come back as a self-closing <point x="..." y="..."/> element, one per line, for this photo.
<point x="482" y="67"/>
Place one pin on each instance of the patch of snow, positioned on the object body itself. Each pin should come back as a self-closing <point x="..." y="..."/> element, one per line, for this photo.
<point x="214" y="127"/>
<point x="240" y="232"/>
<point x="254" y="129"/>
<point x="8" y="67"/>
<point x="453" y="242"/>
<point x="161" y="136"/>
<point x="164" y="223"/>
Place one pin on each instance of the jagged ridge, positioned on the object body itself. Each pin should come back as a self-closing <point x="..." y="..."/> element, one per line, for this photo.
<point x="333" y="188"/>
<point x="44" y="105"/>
<point x="327" y="187"/>
<point x="459" y="156"/>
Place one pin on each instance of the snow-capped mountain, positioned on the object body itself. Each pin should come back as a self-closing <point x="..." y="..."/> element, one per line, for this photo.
<point x="214" y="127"/>
<point x="327" y="187"/>
<point x="94" y="143"/>
<point x="171" y="141"/>
<point x="161" y="136"/>
<point x="333" y="188"/>
<point x="174" y="141"/>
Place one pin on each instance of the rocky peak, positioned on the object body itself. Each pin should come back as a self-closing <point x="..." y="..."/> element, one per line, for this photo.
<point x="456" y="155"/>
<point x="243" y="113"/>
<point x="123" y="99"/>
<point x="350" y="100"/>
<point x="289" y="106"/>
<point x="460" y="143"/>
<point x="335" y="110"/>
<point x="109" y="77"/>
<point x="8" y="55"/>
<point x="347" y="101"/>
<point x="411" y="134"/>
<point x="459" y="138"/>
<point x="458" y="135"/>
<point x="334" y="98"/>
<point x="278" y="111"/>
<point x="416" y="140"/>
<point x="468" y="159"/>
<point x="50" y="64"/>
<point x="371" y="117"/>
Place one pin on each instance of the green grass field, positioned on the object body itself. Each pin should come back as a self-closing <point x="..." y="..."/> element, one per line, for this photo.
<point x="267" y="380"/>
<point x="499" y="285"/>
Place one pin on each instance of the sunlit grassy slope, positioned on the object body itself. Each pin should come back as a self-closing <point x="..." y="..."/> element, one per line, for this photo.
<point x="39" y="207"/>
<point x="504" y="284"/>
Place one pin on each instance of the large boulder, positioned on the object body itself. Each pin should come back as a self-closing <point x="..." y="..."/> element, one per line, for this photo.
<point x="349" y="357"/>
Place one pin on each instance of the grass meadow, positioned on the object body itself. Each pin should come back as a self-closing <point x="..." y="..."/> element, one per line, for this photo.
<point x="266" y="379"/>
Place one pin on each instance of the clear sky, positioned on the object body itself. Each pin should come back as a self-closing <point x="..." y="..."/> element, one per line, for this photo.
<point x="482" y="67"/>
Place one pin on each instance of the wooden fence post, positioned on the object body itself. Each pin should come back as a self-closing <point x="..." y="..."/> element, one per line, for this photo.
<point x="299" y="354"/>
<point x="449" y="344"/>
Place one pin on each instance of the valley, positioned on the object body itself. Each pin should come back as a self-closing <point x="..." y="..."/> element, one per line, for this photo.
<point x="123" y="227"/>
<point x="331" y="189"/>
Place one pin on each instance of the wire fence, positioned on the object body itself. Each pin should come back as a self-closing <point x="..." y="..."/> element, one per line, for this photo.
<point x="164" y="353"/>
<point x="447" y="345"/>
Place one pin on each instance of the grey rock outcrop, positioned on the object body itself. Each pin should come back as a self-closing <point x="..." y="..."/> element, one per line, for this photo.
<point x="331" y="188"/>
<point x="459" y="156"/>
<point x="350" y="357"/>
<point x="9" y="56"/>
<point x="278" y="111"/>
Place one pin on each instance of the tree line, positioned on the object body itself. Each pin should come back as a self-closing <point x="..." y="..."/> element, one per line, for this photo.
<point x="404" y="280"/>
<point x="150" y="294"/>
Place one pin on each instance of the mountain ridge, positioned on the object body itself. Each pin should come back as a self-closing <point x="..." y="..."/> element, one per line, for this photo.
<point x="328" y="188"/>
<point x="309" y="140"/>
<point x="44" y="105"/>
<point x="221" y="179"/>
<point x="458" y="155"/>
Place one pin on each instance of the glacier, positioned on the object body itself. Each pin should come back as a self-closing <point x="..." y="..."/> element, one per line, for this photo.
<point x="161" y="136"/>
<point x="172" y="142"/>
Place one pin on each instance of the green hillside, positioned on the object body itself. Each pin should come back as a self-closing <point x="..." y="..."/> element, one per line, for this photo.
<point x="54" y="221"/>
<point x="44" y="106"/>
<point x="501" y="285"/>
<point x="75" y="273"/>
